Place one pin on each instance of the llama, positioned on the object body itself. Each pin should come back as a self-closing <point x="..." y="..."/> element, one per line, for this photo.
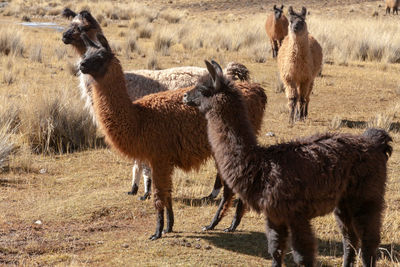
<point x="293" y="182"/>
<point x="158" y="128"/>
<point x="276" y="27"/>
<point x="68" y="13"/>
<point x="299" y="62"/>
<point x="392" y="4"/>
<point x="141" y="83"/>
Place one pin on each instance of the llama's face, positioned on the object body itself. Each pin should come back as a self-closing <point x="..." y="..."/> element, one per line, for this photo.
<point x="278" y="11"/>
<point x="207" y="89"/>
<point x="97" y="57"/>
<point x="83" y="22"/>
<point x="297" y="21"/>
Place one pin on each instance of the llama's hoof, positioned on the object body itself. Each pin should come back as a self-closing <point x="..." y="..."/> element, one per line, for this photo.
<point x="229" y="230"/>
<point x="134" y="190"/>
<point x="145" y="196"/>
<point x="208" y="227"/>
<point x="155" y="237"/>
<point x="166" y="231"/>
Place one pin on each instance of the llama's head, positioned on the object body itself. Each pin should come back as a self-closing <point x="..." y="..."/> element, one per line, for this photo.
<point x="82" y="22"/>
<point x="68" y="13"/>
<point x="237" y="71"/>
<point x="297" y="21"/>
<point x="210" y="89"/>
<point x="97" y="57"/>
<point x="278" y="11"/>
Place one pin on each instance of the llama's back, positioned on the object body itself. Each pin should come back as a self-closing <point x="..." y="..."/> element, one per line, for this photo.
<point x="322" y="169"/>
<point x="174" y="78"/>
<point x="276" y="29"/>
<point x="179" y="132"/>
<point x="316" y="52"/>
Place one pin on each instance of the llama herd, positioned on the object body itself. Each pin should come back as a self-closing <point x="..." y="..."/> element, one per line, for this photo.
<point x="179" y="117"/>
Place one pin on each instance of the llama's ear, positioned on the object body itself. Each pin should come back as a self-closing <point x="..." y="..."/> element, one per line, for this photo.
<point x="304" y="12"/>
<point x="210" y="69"/>
<point x="214" y="75"/>
<point x="274" y="7"/>
<point x="86" y="40"/>
<point x="68" y="13"/>
<point x="282" y="6"/>
<point x="217" y="68"/>
<point x="88" y="17"/>
<point x="103" y="41"/>
<point x="290" y="10"/>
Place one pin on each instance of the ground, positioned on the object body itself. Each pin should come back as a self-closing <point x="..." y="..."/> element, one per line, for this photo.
<point x="73" y="208"/>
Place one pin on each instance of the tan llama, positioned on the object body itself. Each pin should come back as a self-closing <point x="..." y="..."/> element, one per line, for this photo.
<point x="299" y="62"/>
<point x="392" y="4"/>
<point x="276" y="27"/>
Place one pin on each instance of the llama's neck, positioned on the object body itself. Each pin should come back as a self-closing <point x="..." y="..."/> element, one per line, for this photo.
<point x="299" y="44"/>
<point x="115" y="112"/>
<point x="232" y="140"/>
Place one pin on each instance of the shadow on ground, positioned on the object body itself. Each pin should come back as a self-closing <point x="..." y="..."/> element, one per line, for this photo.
<point x="255" y="244"/>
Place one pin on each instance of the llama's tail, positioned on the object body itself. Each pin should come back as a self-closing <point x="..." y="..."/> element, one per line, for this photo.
<point x="237" y="71"/>
<point x="380" y="138"/>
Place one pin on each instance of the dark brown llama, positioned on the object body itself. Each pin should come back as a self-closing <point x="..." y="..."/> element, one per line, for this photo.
<point x="68" y="13"/>
<point x="293" y="182"/>
<point x="158" y="128"/>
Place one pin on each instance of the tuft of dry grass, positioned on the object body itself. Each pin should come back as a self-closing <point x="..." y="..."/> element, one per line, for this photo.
<point x="162" y="43"/>
<point x="171" y="15"/>
<point x="145" y="31"/>
<point x="11" y="41"/>
<point x="6" y="144"/>
<point x="57" y="122"/>
<point x="152" y="62"/>
<point x="36" y="53"/>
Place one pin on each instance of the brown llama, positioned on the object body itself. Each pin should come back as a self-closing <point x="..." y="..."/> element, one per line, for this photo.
<point x="293" y="182"/>
<point x="158" y="128"/>
<point x="299" y="62"/>
<point x="141" y="83"/>
<point x="392" y="4"/>
<point x="276" y="27"/>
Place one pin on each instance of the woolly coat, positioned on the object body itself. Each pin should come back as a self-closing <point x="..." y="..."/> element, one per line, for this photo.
<point x="276" y="29"/>
<point x="299" y="62"/>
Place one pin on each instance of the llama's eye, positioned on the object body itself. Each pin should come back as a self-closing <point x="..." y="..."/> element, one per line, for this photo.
<point x="204" y="91"/>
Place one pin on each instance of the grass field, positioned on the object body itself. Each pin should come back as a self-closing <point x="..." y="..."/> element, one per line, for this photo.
<point x="63" y="194"/>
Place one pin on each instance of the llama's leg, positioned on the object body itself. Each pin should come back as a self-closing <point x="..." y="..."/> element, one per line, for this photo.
<point x="303" y="243"/>
<point x="292" y="96"/>
<point x="350" y="240"/>
<point x="307" y="100"/>
<point x="162" y="185"/>
<point x="147" y="182"/>
<point x="303" y="92"/>
<point x="217" y="187"/>
<point x="170" y="216"/>
<point x="222" y="208"/>
<point x="276" y="238"/>
<point x="388" y="10"/>
<point x="367" y="226"/>
<point x="136" y="171"/>
<point x="275" y="48"/>
<point x="240" y="210"/>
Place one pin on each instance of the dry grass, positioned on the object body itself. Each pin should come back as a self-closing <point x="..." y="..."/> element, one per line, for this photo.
<point x="80" y="198"/>
<point x="57" y="122"/>
<point x="11" y="41"/>
<point x="6" y="144"/>
<point x="363" y="39"/>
